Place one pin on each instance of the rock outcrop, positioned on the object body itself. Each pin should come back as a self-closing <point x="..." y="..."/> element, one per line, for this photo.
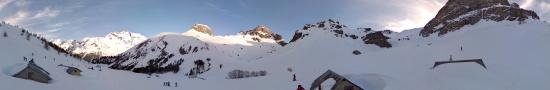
<point x="203" y="29"/>
<point x="377" y="38"/>
<point x="458" y="13"/>
<point x="332" y="25"/>
<point x="263" y="31"/>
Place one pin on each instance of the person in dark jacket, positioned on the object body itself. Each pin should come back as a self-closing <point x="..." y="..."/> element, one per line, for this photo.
<point x="300" y="87"/>
<point x="293" y="77"/>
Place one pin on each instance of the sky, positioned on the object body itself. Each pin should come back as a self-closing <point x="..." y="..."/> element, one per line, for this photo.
<point x="76" y="19"/>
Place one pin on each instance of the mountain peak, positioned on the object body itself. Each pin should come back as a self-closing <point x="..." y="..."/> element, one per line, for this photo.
<point x="203" y="28"/>
<point x="124" y="35"/>
<point x="326" y="25"/>
<point x="263" y="31"/>
<point x="112" y="44"/>
<point x="458" y="13"/>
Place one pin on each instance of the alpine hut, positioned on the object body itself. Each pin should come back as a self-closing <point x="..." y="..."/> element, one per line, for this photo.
<point x="340" y="84"/>
<point x="34" y="72"/>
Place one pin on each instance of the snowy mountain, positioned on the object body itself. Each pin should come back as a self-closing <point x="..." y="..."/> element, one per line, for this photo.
<point x="112" y="44"/>
<point x="168" y="52"/>
<point x="331" y="28"/>
<point x="263" y="32"/>
<point x="18" y="46"/>
<point x="459" y="13"/>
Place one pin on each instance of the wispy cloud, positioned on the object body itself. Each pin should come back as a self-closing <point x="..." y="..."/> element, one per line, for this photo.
<point x="18" y="17"/>
<point x="46" y="13"/>
<point x="53" y="30"/>
<point x="26" y="17"/>
<point x="416" y="14"/>
<point x="224" y="11"/>
<point x="526" y="3"/>
<point x="4" y="3"/>
<point x="21" y="3"/>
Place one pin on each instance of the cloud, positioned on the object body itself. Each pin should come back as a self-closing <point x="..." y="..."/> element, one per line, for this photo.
<point x="545" y="6"/>
<point x="47" y="12"/>
<point x="4" y="3"/>
<point x="24" y="17"/>
<point x="526" y="3"/>
<point x="58" y="25"/>
<point x="53" y="30"/>
<point x="18" y="17"/>
<point x="40" y="20"/>
<point x="224" y="11"/>
<point x="21" y="3"/>
<point x="416" y="13"/>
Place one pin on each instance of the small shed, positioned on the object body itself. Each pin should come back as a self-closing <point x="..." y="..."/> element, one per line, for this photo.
<point x="34" y="72"/>
<point x="73" y="71"/>
<point x="340" y="84"/>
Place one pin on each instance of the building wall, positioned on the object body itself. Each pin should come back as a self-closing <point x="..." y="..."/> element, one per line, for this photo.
<point x="36" y="76"/>
<point x="346" y="85"/>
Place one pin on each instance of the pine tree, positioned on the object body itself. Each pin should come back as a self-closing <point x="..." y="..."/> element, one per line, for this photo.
<point x="28" y="36"/>
<point x="46" y="46"/>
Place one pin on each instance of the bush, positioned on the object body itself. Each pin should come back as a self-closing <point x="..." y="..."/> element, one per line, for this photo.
<point x="236" y="74"/>
<point x="200" y="67"/>
<point x="46" y="46"/>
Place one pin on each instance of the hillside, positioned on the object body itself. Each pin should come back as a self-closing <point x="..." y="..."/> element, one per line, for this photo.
<point x="112" y="44"/>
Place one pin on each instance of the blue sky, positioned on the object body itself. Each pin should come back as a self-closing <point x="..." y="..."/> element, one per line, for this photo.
<point x="75" y="19"/>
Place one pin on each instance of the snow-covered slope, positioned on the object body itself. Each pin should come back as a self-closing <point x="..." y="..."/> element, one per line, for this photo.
<point x="18" y="44"/>
<point x="513" y="53"/>
<point x="112" y="44"/>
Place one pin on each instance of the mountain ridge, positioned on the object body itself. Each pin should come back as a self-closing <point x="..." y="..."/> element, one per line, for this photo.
<point x="456" y="14"/>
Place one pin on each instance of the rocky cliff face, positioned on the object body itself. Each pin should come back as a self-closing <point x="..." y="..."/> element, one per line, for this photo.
<point x="333" y="27"/>
<point x="264" y="32"/>
<point x="377" y="38"/>
<point x="203" y="29"/>
<point x="328" y="25"/>
<point x="458" y="13"/>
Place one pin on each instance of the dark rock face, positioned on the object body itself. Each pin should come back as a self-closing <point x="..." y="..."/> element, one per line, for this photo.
<point x="264" y="32"/>
<point x="199" y="68"/>
<point x="378" y="39"/>
<point x="356" y="52"/>
<point x="332" y="25"/>
<point x="297" y="35"/>
<point x="458" y="13"/>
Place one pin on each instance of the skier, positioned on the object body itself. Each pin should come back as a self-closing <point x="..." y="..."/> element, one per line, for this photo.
<point x="293" y="77"/>
<point x="451" y="58"/>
